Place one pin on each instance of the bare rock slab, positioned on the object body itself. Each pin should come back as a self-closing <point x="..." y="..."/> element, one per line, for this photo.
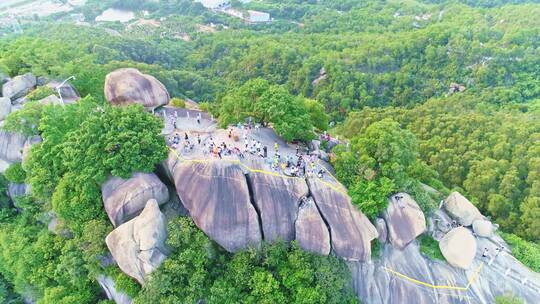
<point x="461" y="209"/>
<point x="311" y="231"/>
<point x="277" y="199"/>
<point x="19" y="86"/>
<point x="350" y="230"/>
<point x="11" y="146"/>
<point x="458" y="247"/>
<point x="216" y="194"/>
<point x="129" y="86"/>
<point x="405" y="220"/>
<point x="125" y="198"/>
<point x="138" y="246"/>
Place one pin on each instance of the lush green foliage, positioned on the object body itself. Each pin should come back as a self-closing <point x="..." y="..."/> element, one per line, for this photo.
<point x="266" y="103"/>
<point x="492" y="155"/>
<point x="178" y="102"/>
<point x="26" y="120"/>
<point x="430" y="247"/>
<point x="381" y="160"/>
<point x="274" y="274"/>
<point x="508" y="299"/>
<point x="527" y="253"/>
<point x="15" y="173"/>
<point x="83" y="144"/>
<point x="40" y="93"/>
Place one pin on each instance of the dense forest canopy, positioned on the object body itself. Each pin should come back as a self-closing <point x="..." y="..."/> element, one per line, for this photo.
<point x="435" y="93"/>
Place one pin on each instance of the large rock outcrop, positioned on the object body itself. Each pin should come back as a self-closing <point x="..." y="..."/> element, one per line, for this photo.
<point x="216" y="194"/>
<point x="69" y="93"/>
<point x="11" y="146"/>
<point x="108" y="285"/>
<point x="394" y="277"/>
<point x="311" y="231"/>
<point x="483" y="228"/>
<point x="19" y="86"/>
<point x="405" y="220"/>
<point x="277" y="200"/>
<point x="138" y="246"/>
<point x="350" y="230"/>
<point x="125" y="198"/>
<point x="458" y="247"/>
<point x="461" y="209"/>
<point x="129" y="86"/>
<point x="5" y="107"/>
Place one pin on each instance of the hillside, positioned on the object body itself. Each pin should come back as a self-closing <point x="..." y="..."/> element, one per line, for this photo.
<point x="329" y="152"/>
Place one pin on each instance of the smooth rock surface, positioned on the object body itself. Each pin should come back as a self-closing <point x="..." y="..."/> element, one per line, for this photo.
<point x="461" y="209"/>
<point x="108" y="285"/>
<point x="382" y="230"/>
<point x="311" y="231"/>
<point x="5" y="107"/>
<point x="277" y="200"/>
<point x="125" y="198"/>
<point x="458" y="247"/>
<point x="11" y="146"/>
<point x="350" y="230"/>
<point x="483" y="228"/>
<point x="138" y="246"/>
<point x="19" y="86"/>
<point x="69" y="93"/>
<point x="374" y="282"/>
<point x="217" y="197"/>
<point x="51" y="99"/>
<point x="405" y="220"/>
<point x="129" y="86"/>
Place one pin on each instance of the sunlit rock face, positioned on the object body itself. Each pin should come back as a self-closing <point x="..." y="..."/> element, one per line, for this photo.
<point x="138" y="246"/>
<point x="129" y="86"/>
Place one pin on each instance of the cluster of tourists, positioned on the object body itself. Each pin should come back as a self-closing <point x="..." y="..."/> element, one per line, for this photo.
<point x="299" y="165"/>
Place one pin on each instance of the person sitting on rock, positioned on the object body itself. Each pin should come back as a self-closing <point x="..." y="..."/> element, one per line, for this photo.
<point x="485" y="254"/>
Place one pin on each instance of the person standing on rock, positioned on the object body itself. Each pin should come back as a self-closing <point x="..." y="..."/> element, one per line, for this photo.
<point x="265" y="152"/>
<point x="199" y="118"/>
<point x="276" y="147"/>
<point x="199" y="139"/>
<point x="186" y="137"/>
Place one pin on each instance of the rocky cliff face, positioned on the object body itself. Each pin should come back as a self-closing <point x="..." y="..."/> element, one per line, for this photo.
<point x="240" y="202"/>
<point x="399" y="275"/>
<point x="129" y="86"/>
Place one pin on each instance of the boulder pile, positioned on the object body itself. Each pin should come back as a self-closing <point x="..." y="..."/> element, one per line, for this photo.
<point x="138" y="246"/>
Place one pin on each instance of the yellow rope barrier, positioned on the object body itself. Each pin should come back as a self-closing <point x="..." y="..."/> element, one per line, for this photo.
<point x="403" y="276"/>
<point x="337" y="189"/>
<point x="471" y="280"/>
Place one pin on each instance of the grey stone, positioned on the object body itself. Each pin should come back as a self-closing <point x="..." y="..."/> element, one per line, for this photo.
<point x="11" y="146"/>
<point x="68" y="92"/>
<point x="5" y="107"/>
<point x="129" y="86"/>
<point x="461" y="209"/>
<point x="216" y="194"/>
<point x="277" y="200"/>
<point x="125" y="198"/>
<point x="138" y="246"/>
<point x="350" y="230"/>
<point x="458" y="247"/>
<point x="405" y="220"/>
<point x="483" y="228"/>
<point x="19" y="86"/>
<point x="311" y="231"/>
<point x="382" y="230"/>
<point x="108" y="285"/>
